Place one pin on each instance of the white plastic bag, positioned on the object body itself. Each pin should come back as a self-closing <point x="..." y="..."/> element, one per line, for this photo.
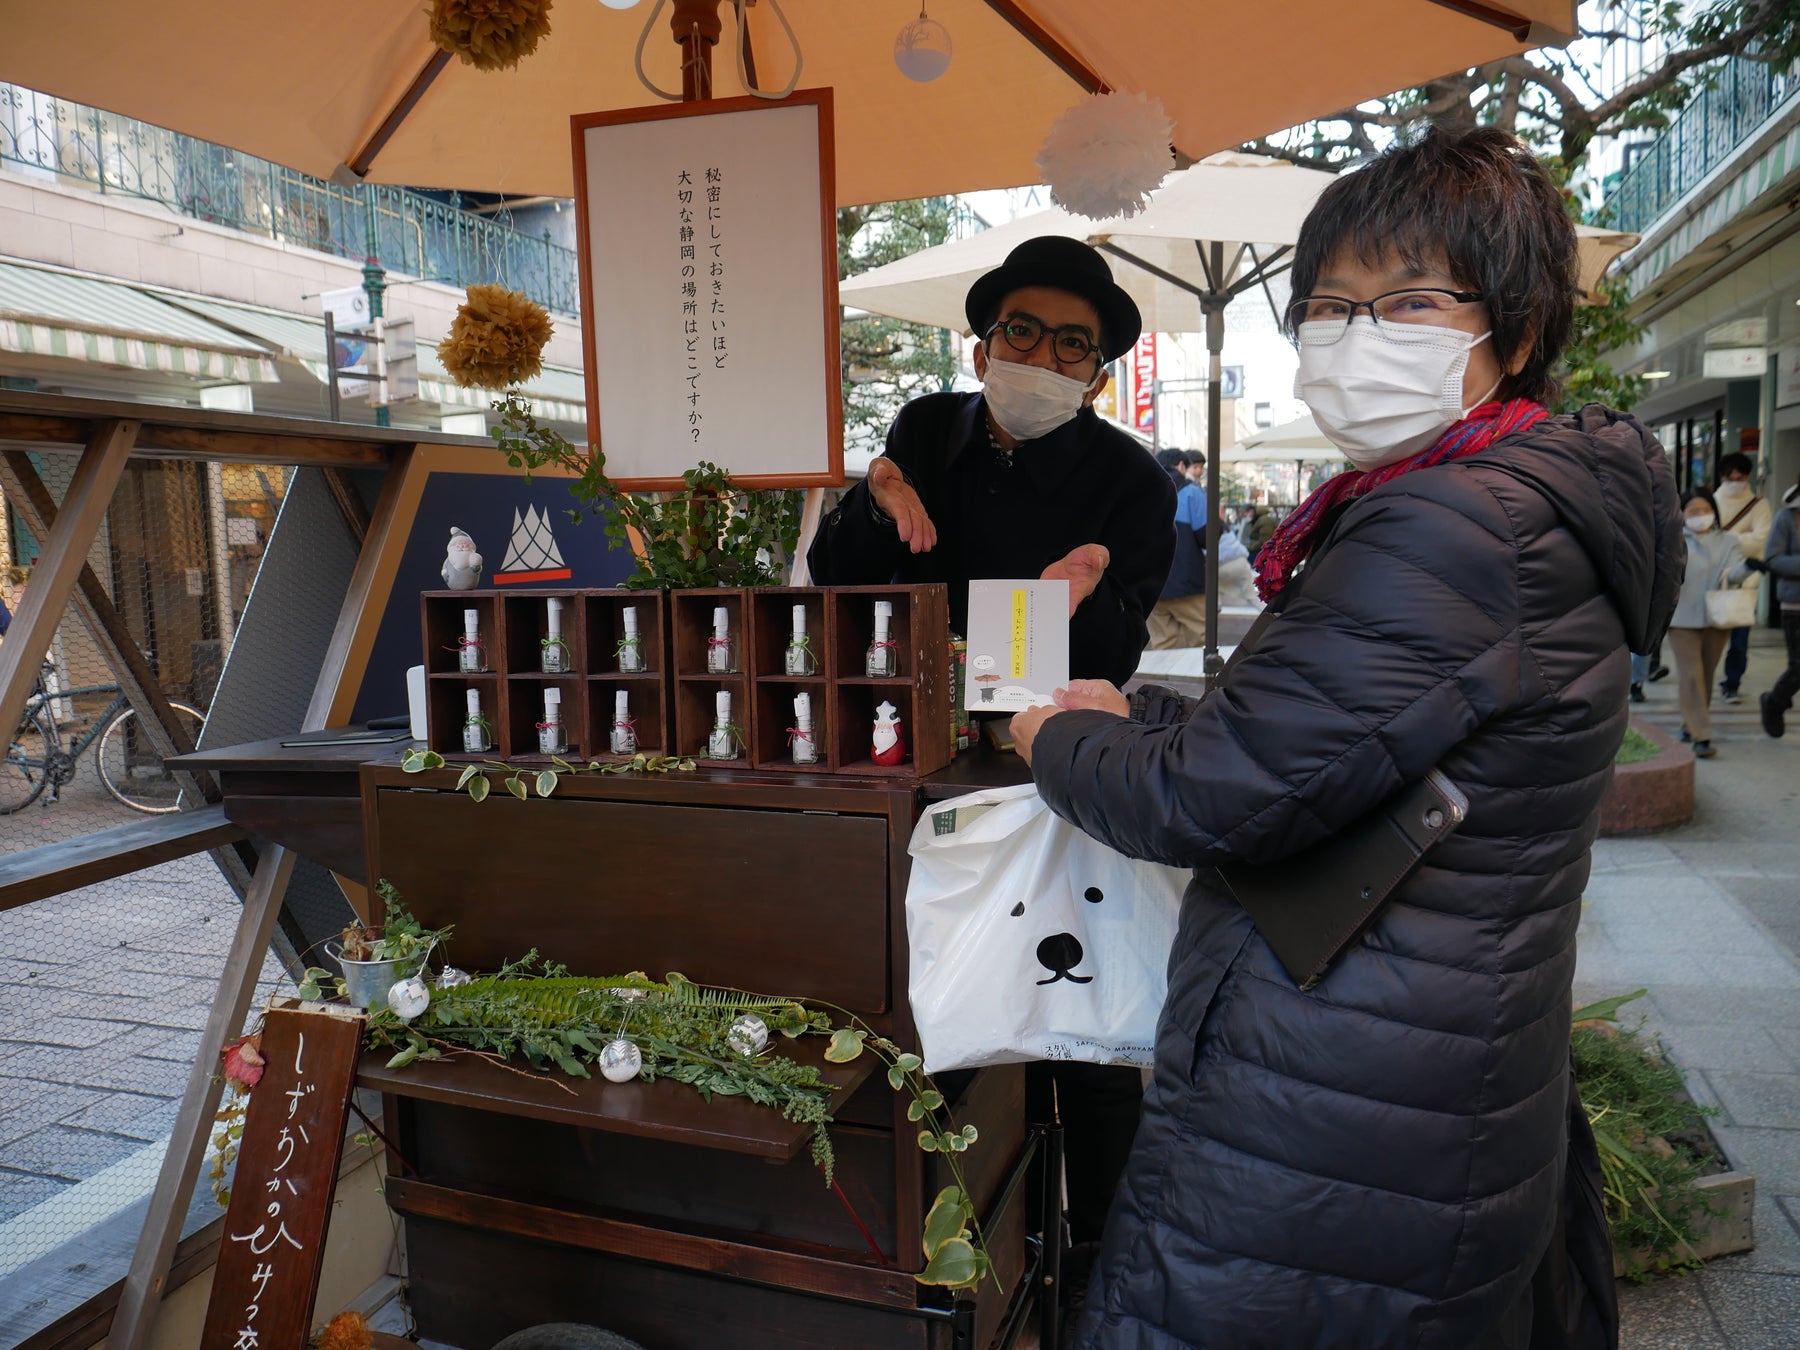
<point x="1031" y="940"/>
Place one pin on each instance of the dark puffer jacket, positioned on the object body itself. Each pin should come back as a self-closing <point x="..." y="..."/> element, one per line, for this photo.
<point x="1380" y="1162"/>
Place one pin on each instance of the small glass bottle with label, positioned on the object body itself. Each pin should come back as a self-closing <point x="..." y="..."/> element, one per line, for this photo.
<point x="477" y="734"/>
<point x="723" y="742"/>
<point x="555" y="658"/>
<point x="884" y="653"/>
<point x="631" y="646"/>
<point x="471" y="652"/>
<point x="720" y="648"/>
<point x="552" y="739"/>
<point x="800" y="736"/>
<point x="624" y="727"/>
<point x="800" y="659"/>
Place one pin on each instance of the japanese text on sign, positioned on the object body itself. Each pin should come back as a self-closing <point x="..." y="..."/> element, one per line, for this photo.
<point x="700" y="243"/>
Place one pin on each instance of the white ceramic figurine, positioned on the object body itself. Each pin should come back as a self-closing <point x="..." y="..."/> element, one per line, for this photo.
<point x="462" y="564"/>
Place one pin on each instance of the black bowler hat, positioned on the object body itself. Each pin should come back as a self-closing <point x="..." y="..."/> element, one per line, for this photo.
<point x="1062" y="264"/>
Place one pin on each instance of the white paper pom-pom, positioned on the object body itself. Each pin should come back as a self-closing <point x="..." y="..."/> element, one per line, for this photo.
<point x="1105" y="156"/>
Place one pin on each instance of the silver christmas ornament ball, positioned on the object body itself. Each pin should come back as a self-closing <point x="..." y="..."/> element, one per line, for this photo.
<point x="748" y="1034"/>
<point x="620" y="1061"/>
<point x="450" y="977"/>
<point x="409" y="998"/>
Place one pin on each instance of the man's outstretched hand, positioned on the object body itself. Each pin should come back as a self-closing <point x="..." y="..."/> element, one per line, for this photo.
<point x="894" y="495"/>
<point x="1082" y="569"/>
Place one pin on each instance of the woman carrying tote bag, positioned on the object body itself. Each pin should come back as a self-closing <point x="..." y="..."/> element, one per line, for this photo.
<point x="1709" y="608"/>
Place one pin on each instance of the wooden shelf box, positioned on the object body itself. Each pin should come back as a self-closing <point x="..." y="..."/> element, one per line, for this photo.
<point x="771" y="628"/>
<point x="690" y="626"/>
<point x="920" y="630"/>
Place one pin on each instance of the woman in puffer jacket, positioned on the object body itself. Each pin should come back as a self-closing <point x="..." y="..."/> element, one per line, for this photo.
<point x="1395" y="1157"/>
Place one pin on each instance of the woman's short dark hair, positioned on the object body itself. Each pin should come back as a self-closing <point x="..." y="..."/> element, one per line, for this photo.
<point x="1482" y="205"/>
<point x="1701" y="495"/>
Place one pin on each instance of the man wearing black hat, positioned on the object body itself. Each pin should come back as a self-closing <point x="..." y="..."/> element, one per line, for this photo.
<point x="1025" y="480"/>
<point x="1022" y="479"/>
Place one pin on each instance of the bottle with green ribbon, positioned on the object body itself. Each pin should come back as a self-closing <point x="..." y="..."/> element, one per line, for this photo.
<point x="800" y="659"/>
<point x="556" y="657"/>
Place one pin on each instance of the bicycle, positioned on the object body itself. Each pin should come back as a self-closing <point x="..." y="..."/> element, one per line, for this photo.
<point x="130" y="769"/>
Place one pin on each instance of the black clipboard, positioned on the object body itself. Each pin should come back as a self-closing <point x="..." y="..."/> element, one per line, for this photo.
<point x="1312" y="907"/>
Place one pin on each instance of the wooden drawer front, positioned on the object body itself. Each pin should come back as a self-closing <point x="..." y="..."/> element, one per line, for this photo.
<point x="780" y="902"/>
<point x="652" y="1181"/>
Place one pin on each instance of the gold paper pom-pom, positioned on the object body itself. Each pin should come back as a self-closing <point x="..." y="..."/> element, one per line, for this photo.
<point x="497" y="340"/>
<point x="489" y="34"/>
<point x="346" y="1331"/>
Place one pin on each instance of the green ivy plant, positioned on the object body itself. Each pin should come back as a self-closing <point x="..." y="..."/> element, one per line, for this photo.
<point x="956" y="1254"/>
<point x="520" y="780"/>
<point x="712" y="533"/>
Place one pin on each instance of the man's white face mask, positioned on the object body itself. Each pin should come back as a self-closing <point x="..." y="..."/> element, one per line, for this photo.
<point x="1031" y="401"/>
<point x="1383" y="392"/>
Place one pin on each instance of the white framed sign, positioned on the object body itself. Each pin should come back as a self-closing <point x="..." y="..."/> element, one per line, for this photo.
<point x="709" y="305"/>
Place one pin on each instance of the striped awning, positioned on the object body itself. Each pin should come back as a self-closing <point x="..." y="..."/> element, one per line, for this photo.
<point x="74" y="318"/>
<point x="556" y="394"/>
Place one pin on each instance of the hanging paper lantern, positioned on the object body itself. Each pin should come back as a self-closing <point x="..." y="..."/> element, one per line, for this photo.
<point x="497" y="339"/>
<point x="490" y="34"/>
<point x="922" y="50"/>
<point x="1106" y="155"/>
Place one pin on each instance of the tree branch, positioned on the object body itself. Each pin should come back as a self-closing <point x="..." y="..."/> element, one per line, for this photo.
<point x="1678" y="63"/>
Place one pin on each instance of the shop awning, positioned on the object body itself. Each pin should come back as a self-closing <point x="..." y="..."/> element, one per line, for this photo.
<point x="556" y="394"/>
<point x="60" y="315"/>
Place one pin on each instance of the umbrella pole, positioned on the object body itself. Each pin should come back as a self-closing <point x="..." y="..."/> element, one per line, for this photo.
<point x="1213" y="303"/>
<point x="696" y="26"/>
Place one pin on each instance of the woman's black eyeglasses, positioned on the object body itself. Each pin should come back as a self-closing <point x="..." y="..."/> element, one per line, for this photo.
<point x="1425" y="305"/>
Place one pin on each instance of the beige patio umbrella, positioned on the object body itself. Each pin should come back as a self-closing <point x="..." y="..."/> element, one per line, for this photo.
<point x="356" y="86"/>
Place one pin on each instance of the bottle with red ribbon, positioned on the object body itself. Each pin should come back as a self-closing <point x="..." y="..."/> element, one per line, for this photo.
<point x="804" y="748"/>
<point x="884" y="653"/>
<point x="624" y="726"/>
<point x="720" y="651"/>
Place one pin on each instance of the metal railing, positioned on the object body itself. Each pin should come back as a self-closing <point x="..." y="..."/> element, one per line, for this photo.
<point x="1743" y="96"/>
<point x="407" y="231"/>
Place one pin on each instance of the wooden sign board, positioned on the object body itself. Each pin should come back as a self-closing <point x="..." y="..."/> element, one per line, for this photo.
<point x="709" y="309"/>
<point x="287" y="1167"/>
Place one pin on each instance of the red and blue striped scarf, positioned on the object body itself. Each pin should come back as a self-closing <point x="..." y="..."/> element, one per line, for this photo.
<point x="1290" y="545"/>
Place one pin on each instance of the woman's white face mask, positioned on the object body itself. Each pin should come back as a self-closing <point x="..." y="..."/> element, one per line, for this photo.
<point x="1701" y="524"/>
<point x="1383" y="392"/>
<point x="1031" y="401"/>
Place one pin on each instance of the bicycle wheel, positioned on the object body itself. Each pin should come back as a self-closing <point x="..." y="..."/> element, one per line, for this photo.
<point x="25" y="771"/>
<point x="132" y="770"/>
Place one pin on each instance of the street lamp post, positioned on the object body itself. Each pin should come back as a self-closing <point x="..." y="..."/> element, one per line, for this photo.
<point x="374" y="278"/>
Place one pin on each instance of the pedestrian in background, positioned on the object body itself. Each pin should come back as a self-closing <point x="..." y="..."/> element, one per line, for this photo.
<point x="1715" y="559"/>
<point x="1743" y="513"/>
<point x="1178" y="619"/>
<point x="1781" y="559"/>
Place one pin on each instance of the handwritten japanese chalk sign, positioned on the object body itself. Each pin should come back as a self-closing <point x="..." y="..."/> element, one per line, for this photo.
<point x="709" y="308"/>
<point x="268" y="1271"/>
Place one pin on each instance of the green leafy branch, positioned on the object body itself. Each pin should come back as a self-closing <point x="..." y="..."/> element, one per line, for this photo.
<point x="712" y="533"/>
<point x="522" y="780"/>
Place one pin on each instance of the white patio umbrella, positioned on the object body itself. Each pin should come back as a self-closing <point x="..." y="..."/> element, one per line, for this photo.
<point x="1299" y="439"/>
<point x="1211" y="232"/>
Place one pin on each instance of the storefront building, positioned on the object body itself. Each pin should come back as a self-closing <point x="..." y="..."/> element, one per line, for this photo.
<point x="1716" y="278"/>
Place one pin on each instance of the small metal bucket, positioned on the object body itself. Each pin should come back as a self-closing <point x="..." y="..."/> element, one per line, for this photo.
<point x="366" y="983"/>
